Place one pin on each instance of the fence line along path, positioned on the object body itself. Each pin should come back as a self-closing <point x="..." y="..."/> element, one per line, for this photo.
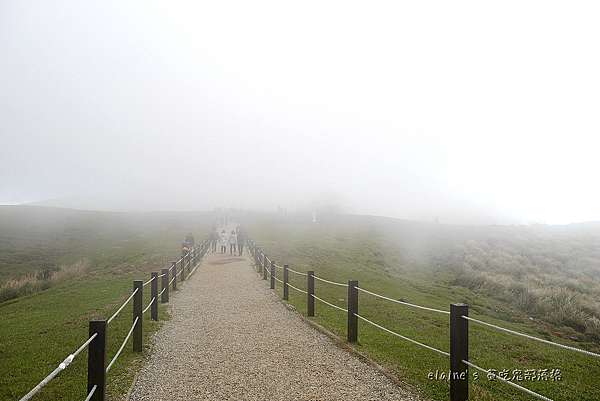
<point x="230" y="338"/>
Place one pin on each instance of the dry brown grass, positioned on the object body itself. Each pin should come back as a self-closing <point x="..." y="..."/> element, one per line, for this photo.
<point x="41" y="280"/>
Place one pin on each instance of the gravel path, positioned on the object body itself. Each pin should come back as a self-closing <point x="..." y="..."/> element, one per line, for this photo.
<point x="230" y="338"/>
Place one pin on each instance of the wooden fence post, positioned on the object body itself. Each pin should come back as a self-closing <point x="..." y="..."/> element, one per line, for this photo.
<point x="261" y="261"/>
<point x="257" y="256"/>
<point x="174" y="269"/>
<point x="459" y="351"/>
<point x="183" y="268"/>
<point x="310" y="291"/>
<point x="264" y="266"/>
<point x="96" y="374"/>
<point x="154" y="295"/>
<point x="164" y="298"/>
<point x="272" y="275"/>
<point x="286" y="289"/>
<point x="137" y="313"/>
<point x="352" y="329"/>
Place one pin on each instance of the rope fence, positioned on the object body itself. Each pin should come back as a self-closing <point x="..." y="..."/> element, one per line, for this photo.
<point x="149" y="305"/>
<point x="364" y="319"/>
<point x="330" y="282"/>
<point x="96" y="342"/>
<point x="402" y="302"/>
<point x="330" y="304"/>
<point x="62" y="366"/>
<point x="295" y="288"/>
<point x="515" y="385"/>
<point x="91" y="393"/>
<point x="297" y="272"/>
<point x="110" y="319"/>
<point x="112" y="362"/>
<point x="458" y="321"/>
<point x="516" y="333"/>
<point x="149" y="281"/>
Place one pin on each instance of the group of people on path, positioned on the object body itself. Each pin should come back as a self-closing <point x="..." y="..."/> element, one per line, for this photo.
<point x="234" y="239"/>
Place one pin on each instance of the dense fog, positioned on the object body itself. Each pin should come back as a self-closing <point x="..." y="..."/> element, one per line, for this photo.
<point x="460" y="112"/>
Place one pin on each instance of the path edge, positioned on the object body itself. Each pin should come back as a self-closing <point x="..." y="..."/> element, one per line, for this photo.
<point x="340" y="343"/>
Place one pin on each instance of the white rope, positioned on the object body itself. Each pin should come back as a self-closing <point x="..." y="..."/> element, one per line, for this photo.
<point x="515" y="385"/>
<point x="172" y="280"/>
<point x="297" y="289"/>
<point x="516" y="333"/>
<point x="401" y="336"/>
<point x="149" y="281"/>
<point x="276" y="279"/>
<point x="297" y="272"/>
<point x="122" y="345"/>
<point x="62" y="366"/>
<point x="330" y="282"/>
<point x="149" y="305"/>
<point x="110" y="319"/>
<point x="160" y="293"/>
<point x="162" y="275"/>
<point x="84" y="345"/>
<point x="194" y="269"/>
<point x="277" y="266"/>
<point x="91" y="393"/>
<point x="327" y="303"/>
<point x="41" y="384"/>
<point x="402" y="302"/>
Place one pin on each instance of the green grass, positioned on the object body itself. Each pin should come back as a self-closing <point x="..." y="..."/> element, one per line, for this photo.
<point x="339" y="252"/>
<point x="38" y="331"/>
<point x="398" y="260"/>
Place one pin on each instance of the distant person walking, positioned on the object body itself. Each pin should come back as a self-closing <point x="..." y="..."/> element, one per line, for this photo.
<point x="232" y="242"/>
<point x="223" y="241"/>
<point x="241" y="239"/>
<point x="214" y="237"/>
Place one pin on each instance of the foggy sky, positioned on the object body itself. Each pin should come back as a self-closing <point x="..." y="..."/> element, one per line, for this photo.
<point x="463" y="111"/>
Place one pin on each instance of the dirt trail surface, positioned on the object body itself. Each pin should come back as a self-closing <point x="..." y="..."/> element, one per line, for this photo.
<point x="230" y="338"/>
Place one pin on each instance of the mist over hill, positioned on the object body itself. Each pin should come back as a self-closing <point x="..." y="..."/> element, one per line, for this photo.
<point x="546" y="272"/>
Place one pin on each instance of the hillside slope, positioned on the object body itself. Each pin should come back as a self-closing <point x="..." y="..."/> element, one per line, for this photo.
<point x="538" y="280"/>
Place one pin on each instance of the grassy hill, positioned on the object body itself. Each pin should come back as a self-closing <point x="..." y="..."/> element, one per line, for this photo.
<point x="541" y="280"/>
<point x="93" y="258"/>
